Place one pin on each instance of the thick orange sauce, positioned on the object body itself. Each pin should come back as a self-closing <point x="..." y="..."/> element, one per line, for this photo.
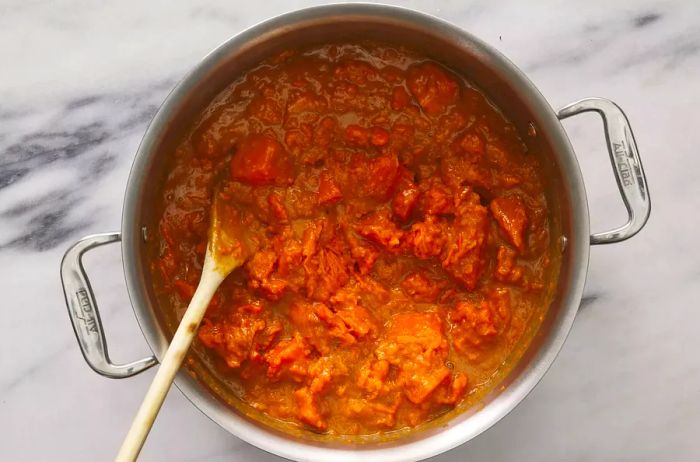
<point x="400" y="229"/>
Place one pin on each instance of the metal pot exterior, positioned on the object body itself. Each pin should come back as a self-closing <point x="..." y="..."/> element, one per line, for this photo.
<point x="499" y="79"/>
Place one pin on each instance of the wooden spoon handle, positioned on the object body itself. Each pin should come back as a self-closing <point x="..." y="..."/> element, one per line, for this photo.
<point x="210" y="281"/>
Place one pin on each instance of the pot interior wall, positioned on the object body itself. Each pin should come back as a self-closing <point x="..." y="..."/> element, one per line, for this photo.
<point x="508" y="90"/>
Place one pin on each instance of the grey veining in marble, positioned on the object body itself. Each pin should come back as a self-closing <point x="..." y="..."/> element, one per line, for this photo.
<point x="79" y="82"/>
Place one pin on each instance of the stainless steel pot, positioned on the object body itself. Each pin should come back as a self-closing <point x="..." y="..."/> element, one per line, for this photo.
<point x="465" y="54"/>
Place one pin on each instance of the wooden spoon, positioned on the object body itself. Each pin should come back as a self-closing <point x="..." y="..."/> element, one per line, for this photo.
<point x="227" y="249"/>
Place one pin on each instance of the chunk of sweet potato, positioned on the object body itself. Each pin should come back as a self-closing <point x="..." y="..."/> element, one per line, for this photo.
<point x="328" y="190"/>
<point x="432" y="86"/>
<point x="261" y="160"/>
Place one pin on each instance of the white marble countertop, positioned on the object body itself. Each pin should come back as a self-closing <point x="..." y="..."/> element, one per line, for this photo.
<point x="79" y="82"/>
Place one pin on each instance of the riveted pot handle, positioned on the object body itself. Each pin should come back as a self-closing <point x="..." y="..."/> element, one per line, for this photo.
<point x="626" y="164"/>
<point x="84" y="315"/>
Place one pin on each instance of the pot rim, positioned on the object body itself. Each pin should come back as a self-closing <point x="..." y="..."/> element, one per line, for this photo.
<point x="454" y="433"/>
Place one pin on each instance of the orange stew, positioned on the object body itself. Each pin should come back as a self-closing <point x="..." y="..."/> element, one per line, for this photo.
<point x="400" y="228"/>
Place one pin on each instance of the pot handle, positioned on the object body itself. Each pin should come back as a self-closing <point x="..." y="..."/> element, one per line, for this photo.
<point x="626" y="163"/>
<point x="84" y="315"/>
